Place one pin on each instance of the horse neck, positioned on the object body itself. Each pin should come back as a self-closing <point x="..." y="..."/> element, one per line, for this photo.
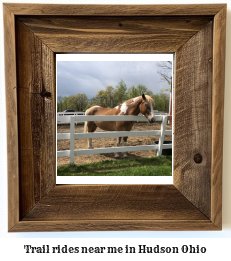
<point x="134" y="107"/>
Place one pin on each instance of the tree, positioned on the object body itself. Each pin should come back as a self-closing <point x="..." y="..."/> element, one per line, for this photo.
<point x="166" y="71"/>
<point x="82" y="102"/>
<point x="162" y="101"/>
<point x="101" y="99"/>
<point x="141" y="89"/>
<point x="132" y="92"/>
<point x="110" y="96"/>
<point x="72" y="102"/>
<point x="150" y="93"/>
<point x="91" y="102"/>
<point x="59" y="103"/>
<point x="120" y="92"/>
<point x="64" y="102"/>
<point x="77" y="102"/>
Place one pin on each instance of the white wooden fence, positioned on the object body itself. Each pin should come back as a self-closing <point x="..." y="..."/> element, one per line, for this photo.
<point x="72" y="135"/>
<point x="70" y="113"/>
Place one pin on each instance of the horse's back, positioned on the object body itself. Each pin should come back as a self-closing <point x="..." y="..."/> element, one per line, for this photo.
<point x="98" y="110"/>
<point x="101" y="111"/>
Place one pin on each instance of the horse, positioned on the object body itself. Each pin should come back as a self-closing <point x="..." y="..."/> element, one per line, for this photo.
<point x="143" y="104"/>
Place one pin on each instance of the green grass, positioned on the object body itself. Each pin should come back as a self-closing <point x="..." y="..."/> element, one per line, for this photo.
<point x="157" y="166"/>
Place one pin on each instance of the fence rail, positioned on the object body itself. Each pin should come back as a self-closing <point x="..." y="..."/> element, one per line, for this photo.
<point x="70" y="113"/>
<point x="77" y="119"/>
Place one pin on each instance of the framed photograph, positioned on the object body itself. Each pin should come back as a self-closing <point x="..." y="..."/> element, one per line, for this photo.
<point x="115" y="86"/>
<point x="34" y="34"/>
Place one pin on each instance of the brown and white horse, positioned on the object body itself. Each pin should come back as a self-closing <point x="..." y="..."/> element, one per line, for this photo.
<point x="143" y="104"/>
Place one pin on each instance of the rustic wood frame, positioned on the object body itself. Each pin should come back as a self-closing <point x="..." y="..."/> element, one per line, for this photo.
<point x="33" y="34"/>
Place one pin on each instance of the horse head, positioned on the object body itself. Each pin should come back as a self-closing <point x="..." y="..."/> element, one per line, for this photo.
<point x="146" y="108"/>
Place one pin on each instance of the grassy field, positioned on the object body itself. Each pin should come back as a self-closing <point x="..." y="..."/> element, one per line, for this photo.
<point x="156" y="166"/>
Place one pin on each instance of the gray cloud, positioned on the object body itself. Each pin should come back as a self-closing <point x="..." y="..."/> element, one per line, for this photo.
<point x="87" y="77"/>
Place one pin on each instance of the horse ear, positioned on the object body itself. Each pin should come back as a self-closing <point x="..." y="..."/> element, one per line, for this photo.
<point x="143" y="96"/>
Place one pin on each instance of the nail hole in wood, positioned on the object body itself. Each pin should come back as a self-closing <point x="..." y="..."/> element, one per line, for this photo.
<point x="45" y="94"/>
<point x="198" y="158"/>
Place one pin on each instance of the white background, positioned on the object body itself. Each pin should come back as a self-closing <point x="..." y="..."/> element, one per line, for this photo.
<point x="217" y="243"/>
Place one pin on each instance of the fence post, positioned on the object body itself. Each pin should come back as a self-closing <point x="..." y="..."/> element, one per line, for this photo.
<point x="161" y="138"/>
<point x="72" y="139"/>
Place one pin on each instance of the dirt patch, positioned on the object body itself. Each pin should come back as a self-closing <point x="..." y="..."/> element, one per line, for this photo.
<point x="109" y="142"/>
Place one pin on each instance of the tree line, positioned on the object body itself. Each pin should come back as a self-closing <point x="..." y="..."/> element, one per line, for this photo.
<point x="111" y="97"/>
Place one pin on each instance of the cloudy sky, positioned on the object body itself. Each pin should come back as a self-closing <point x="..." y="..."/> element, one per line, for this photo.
<point x="90" y="73"/>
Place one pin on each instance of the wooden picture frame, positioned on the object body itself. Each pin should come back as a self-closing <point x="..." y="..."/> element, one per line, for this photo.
<point x="33" y="34"/>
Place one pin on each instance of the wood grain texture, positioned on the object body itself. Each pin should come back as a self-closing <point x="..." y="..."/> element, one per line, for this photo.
<point x="36" y="106"/>
<point x="193" y="119"/>
<point x="115" y="10"/>
<point x="12" y="121"/>
<point x="108" y="202"/>
<point x="218" y="115"/>
<point x="114" y="225"/>
<point x="115" y="207"/>
<point x="189" y="204"/>
<point x="114" y="34"/>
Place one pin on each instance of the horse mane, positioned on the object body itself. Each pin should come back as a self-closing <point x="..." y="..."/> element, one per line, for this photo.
<point x="130" y="101"/>
<point x="133" y="101"/>
<point x="149" y="99"/>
